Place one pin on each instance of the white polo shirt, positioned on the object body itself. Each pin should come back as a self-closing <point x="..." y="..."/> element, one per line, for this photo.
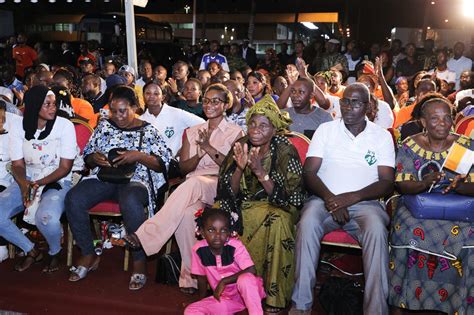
<point x="351" y="163"/>
<point x="171" y="123"/>
<point x="458" y="66"/>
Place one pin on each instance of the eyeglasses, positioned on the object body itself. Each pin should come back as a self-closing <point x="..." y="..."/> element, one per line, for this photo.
<point x="351" y="103"/>
<point x="214" y="101"/>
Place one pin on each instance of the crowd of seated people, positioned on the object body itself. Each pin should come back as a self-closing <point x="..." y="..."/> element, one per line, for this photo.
<point x="377" y="125"/>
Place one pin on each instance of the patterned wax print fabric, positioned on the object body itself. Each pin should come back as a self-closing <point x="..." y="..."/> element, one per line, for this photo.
<point x="267" y="222"/>
<point x="431" y="261"/>
<point x="239" y="118"/>
<point x="108" y="136"/>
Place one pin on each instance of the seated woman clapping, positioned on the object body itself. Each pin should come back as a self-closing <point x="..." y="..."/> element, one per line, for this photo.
<point x="261" y="185"/>
<point x="431" y="259"/>
<point x="203" y="151"/>
<point x="124" y="141"/>
<point x="42" y="151"/>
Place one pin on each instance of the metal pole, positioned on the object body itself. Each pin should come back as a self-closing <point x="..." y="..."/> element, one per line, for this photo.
<point x="194" y="22"/>
<point x="130" y="33"/>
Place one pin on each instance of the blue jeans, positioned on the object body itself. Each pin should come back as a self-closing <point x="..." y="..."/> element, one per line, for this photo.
<point x="132" y="199"/>
<point x="47" y="217"/>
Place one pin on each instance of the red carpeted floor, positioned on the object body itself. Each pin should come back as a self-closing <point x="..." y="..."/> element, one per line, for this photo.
<point x="104" y="291"/>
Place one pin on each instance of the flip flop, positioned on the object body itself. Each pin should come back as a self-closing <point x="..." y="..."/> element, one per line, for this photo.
<point x="137" y="281"/>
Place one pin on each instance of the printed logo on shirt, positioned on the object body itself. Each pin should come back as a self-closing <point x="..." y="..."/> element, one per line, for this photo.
<point x="370" y="157"/>
<point x="169" y="132"/>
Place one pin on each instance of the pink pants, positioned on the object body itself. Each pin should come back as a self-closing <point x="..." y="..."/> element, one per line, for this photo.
<point x="177" y="217"/>
<point x="249" y="296"/>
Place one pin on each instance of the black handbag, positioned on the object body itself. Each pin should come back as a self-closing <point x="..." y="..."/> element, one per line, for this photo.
<point x="121" y="174"/>
<point x="341" y="296"/>
<point x="168" y="268"/>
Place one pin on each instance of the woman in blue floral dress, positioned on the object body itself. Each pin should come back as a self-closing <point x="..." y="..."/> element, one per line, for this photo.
<point x="142" y="146"/>
<point x="431" y="261"/>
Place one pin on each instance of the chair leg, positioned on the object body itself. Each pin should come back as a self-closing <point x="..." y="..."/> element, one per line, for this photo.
<point x="11" y="247"/>
<point x="126" y="259"/>
<point x="69" y="246"/>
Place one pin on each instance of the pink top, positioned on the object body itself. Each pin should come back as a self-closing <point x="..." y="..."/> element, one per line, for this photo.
<point x="234" y="258"/>
<point x="222" y="139"/>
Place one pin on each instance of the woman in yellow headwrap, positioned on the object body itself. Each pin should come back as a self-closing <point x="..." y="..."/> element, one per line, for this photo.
<point x="260" y="185"/>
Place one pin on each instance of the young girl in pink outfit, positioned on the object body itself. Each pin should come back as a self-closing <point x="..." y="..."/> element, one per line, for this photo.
<point x="225" y="264"/>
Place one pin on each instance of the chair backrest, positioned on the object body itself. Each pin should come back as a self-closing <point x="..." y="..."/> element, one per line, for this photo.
<point x="83" y="133"/>
<point x="465" y="126"/>
<point x="301" y="143"/>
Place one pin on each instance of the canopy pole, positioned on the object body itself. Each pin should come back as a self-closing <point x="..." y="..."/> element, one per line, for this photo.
<point x="130" y="33"/>
<point x="194" y="22"/>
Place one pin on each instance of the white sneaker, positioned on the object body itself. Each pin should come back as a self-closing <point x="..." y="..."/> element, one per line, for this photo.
<point x="3" y="253"/>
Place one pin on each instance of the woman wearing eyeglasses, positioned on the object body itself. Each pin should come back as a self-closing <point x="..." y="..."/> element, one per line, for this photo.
<point x="204" y="148"/>
<point x="261" y="186"/>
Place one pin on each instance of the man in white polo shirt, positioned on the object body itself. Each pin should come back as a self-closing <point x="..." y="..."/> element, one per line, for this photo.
<point x="459" y="63"/>
<point x="170" y="122"/>
<point x="349" y="166"/>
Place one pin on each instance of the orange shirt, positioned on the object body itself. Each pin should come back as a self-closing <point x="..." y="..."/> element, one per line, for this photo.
<point x="24" y="57"/>
<point x="339" y="92"/>
<point x="404" y="115"/>
<point x="84" y="109"/>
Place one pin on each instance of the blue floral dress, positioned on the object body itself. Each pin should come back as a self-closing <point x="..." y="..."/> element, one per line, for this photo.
<point x="108" y="136"/>
<point x="431" y="263"/>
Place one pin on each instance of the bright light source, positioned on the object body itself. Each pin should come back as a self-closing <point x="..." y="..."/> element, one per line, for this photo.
<point x="446" y="21"/>
<point x="222" y="36"/>
<point x="17" y="1"/>
<point x="232" y="38"/>
<point x="34" y="1"/>
<point x="310" y="25"/>
<point x="233" y="29"/>
<point x="432" y="2"/>
<point x="428" y="28"/>
<point x="52" y="1"/>
<point x="467" y="7"/>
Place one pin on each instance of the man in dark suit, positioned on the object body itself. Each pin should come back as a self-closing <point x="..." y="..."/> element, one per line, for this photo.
<point x="68" y="56"/>
<point x="248" y="54"/>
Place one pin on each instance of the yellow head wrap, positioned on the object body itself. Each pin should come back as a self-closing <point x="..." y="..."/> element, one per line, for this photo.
<point x="268" y="108"/>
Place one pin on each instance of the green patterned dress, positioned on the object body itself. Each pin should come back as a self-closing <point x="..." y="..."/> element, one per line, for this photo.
<point x="267" y="223"/>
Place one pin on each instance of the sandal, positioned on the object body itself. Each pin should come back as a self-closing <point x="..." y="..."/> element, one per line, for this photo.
<point x="52" y="263"/>
<point x="272" y="309"/>
<point x="132" y="241"/>
<point x="137" y="281"/>
<point x="34" y="256"/>
<point x="80" y="272"/>
<point x="189" y="291"/>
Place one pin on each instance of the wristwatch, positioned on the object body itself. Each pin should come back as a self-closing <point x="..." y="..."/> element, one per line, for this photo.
<point x="265" y="178"/>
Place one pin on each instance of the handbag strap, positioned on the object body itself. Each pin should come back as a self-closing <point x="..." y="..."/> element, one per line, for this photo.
<point x="150" y="179"/>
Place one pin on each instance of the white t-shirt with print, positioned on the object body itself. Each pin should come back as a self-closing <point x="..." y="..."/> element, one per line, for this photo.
<point x="171" y="123"/>
<point x="11" y="120"/>
<point x="42" y="157"/>
<point x="351" y="163"/>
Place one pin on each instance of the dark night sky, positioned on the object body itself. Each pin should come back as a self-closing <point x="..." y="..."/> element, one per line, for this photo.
<point x="376" y="17"/>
